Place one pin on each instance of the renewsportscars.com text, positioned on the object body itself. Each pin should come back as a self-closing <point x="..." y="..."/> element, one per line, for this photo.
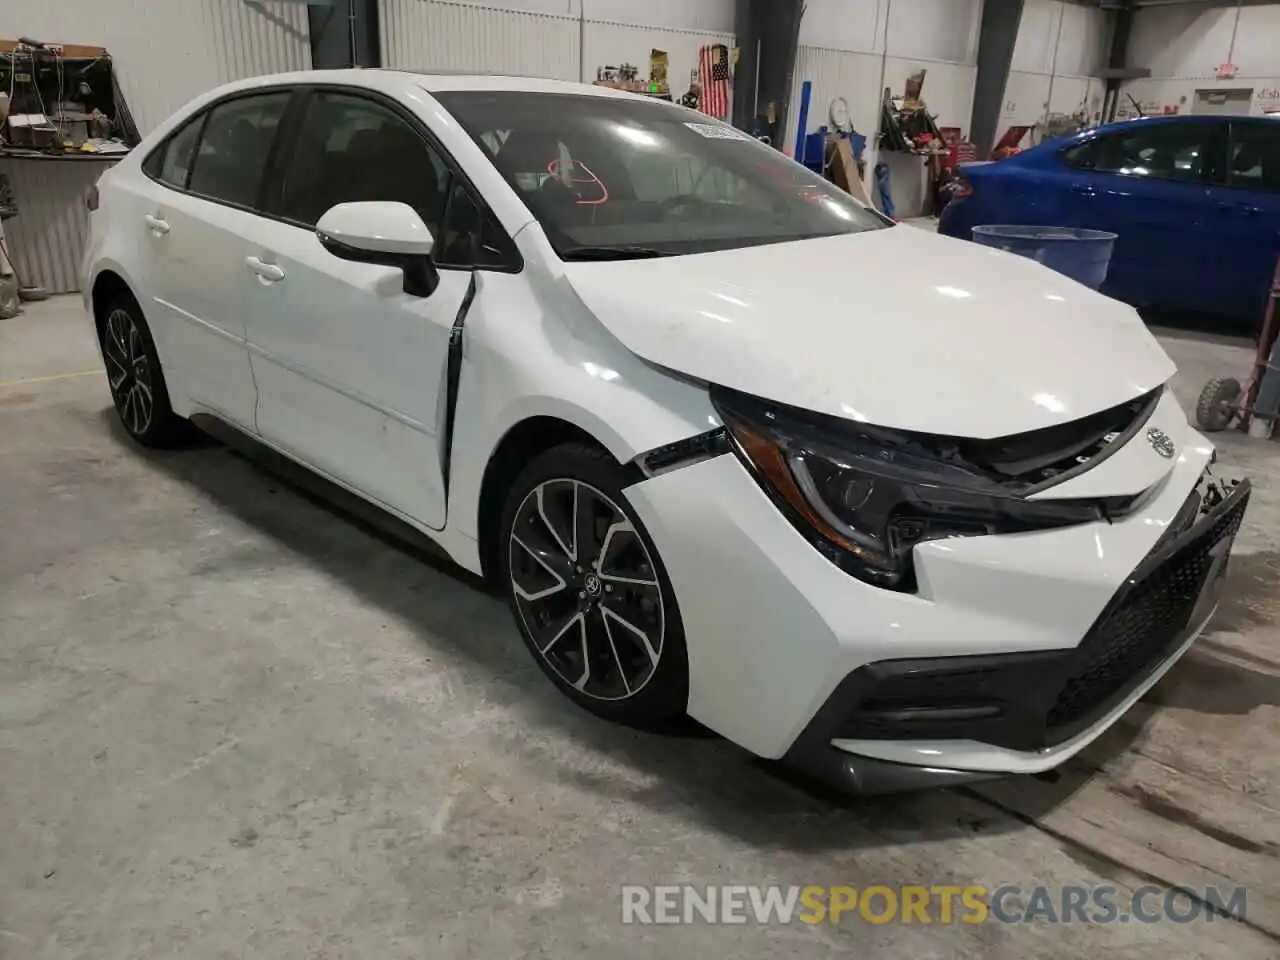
<point x="932" y="904"/>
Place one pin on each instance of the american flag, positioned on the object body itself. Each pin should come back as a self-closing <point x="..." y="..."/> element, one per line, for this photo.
<point x="713" y="72"/>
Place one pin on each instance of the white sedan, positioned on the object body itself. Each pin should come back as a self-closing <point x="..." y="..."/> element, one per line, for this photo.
<point x="897" y="508"/>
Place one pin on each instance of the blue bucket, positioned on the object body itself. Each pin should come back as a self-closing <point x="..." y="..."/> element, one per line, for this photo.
<point x="1082" y="255"/>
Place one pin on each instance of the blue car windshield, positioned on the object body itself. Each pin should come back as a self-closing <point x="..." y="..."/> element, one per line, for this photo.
<point x="608" y="175"/>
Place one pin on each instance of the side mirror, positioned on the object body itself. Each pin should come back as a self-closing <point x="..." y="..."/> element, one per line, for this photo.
<point x="385" y="232"/>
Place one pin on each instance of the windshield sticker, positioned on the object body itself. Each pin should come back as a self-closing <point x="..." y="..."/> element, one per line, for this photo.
<point x="718" y="131"/>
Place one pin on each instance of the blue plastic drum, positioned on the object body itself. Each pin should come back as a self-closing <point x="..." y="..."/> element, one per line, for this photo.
<point x="1082" y="255"/>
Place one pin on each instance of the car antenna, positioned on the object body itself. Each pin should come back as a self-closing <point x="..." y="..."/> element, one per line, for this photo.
<point x="1137" y="106"/>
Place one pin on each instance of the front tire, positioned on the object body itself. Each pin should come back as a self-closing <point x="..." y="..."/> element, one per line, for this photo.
<point x="589" y="593"/>
<point x="136" y="378"/>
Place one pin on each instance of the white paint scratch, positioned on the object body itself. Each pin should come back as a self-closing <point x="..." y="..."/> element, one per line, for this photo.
<point x="203" y="760"/>
<point x="441" y="818"/>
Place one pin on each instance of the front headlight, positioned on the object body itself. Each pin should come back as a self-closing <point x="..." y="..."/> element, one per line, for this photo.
<point x="866" y="496"/>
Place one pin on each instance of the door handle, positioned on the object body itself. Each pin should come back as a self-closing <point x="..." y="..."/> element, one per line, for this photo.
<point x="158" y="224"/>
<point x="1239" y="209"/>
<point x="1084" y="189"/>
<point x="267" y="271"/>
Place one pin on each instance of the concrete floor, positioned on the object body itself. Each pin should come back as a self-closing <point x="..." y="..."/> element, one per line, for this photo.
<point x="234" y="723"/>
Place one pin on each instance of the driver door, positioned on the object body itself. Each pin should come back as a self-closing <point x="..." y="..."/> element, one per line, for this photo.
<point x="349" y="367"/>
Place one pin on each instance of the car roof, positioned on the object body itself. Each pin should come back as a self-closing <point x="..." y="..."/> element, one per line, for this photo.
<point x="1162" y="118"/>
<point x="407" y="81"/>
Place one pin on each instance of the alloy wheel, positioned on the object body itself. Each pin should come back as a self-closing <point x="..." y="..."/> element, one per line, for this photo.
<point x="128" y="371"/>
<point x="586" y="589"/>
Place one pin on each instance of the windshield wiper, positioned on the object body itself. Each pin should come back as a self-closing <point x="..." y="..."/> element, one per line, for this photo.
<point x="610" y="253"/>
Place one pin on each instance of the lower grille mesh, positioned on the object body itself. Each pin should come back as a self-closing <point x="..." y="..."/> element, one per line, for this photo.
<point x="1140" y="627"/>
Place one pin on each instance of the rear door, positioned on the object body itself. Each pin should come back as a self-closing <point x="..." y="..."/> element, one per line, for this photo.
<point x="1244" y="219"/>
<point x="1149" y="185"/>
<point x="204" y="202"/>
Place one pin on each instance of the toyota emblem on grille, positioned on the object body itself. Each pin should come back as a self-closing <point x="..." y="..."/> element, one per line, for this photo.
<point x="1161" y="442"/>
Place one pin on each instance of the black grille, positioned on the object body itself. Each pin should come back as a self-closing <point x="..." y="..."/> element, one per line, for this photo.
<point x="1027" y="701"/>
<point x="1141" y="623"/>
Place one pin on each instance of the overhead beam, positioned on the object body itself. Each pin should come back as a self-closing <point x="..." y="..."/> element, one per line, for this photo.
<point x="997" y="36"/>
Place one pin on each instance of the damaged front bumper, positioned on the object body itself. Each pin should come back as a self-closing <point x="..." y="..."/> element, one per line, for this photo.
<point x="1038" y="706"/>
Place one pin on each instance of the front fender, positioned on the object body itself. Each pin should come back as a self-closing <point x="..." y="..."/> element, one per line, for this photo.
<point x="519" y="363"/>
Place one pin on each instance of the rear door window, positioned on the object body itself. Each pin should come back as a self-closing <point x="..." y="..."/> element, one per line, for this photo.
<point x="1254" y="158"/>
<point x="231" y="160"/>
<point x="1169" y="151"/>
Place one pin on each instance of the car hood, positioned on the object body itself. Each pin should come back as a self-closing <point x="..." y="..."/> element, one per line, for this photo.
<point x="897" y="327"/>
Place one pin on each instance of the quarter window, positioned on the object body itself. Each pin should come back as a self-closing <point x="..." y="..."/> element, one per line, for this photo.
<point x="232" y="157"/>
<point x="470" y="236"/>
<point x="1083" y="155"/>
<point x="171" y="163"/>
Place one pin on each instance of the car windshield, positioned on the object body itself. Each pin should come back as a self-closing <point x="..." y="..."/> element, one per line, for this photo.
<point x="614" y="178"/>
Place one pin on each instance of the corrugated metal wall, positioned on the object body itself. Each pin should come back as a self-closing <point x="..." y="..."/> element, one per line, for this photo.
<point x="168" y="51"/>
<point x="605" y="43"/>
<point x="443" y="35"/>
<point x="165" y="52"/>
<point x="46" y="239"/>
<point x="835" y="73"/>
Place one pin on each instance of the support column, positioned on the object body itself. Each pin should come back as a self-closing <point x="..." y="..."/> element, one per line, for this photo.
<point x="997" y="37"/>
<point x="768" y="33"/>
<point x="344" y="33"/>
<point x="1117" y="57"/>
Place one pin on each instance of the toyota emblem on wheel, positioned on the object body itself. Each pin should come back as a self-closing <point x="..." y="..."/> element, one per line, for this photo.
<point x="1161" y="442"/>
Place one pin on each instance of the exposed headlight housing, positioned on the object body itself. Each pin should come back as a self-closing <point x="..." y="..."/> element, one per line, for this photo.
<point x="866" y="496"/>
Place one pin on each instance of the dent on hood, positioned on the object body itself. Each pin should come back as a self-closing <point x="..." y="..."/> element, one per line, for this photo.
<point x="898" y="328"/>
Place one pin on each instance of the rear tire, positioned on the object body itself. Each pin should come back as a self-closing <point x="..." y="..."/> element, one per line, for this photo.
<point x="588" y="590"/>
<point x="135" y="377"/>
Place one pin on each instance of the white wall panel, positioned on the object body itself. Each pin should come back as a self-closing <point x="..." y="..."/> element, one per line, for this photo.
<point x="1076" y="93"/>
<point x="1184" y="46"/>
<point x="1037" y="35"/>
<point x="167" y="52"/>
<point x="1256" y="50"/>
<point x="455" y="36"/>
<point x="712" y="15"/>
<point x="606" y="44"/>
<point x="1191" y="42"/>
<point x="557" y="8"/>
<point x="919" y="29"/>
<point x="715" y="16"/>
<point x="935" y="29"/>
<point x="47" y="238"/>
<point x="948" y="87"/>
<point x="1026" y="99"/>
<point x="1181" y="41"/>
<point x="1082" y="42"/>
<point x="854" y="25"/>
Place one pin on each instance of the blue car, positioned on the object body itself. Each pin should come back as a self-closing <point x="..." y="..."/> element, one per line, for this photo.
<point x="1195" y="201"/>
